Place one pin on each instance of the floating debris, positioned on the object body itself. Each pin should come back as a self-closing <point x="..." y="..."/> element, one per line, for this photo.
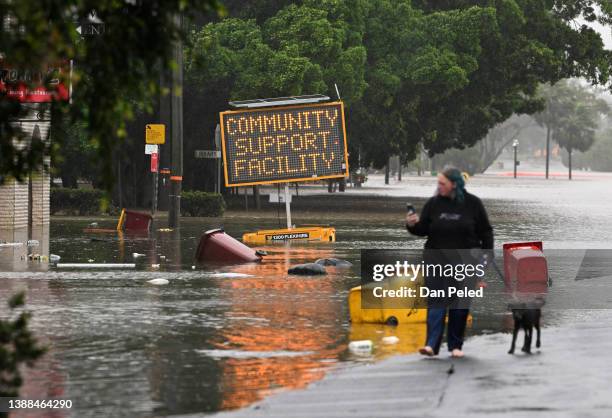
<point x="95" y="265"/>
<point x="11" y="244"/>
<point x="361" y="347"/>
<point x="392" y="339"/>
<point x="158" y="282"/>
<point x="307" y="269"/>
<point x="228" y="275"/>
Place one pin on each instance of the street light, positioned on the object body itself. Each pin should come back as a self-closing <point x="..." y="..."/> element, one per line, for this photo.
<point x="515" y="144"/>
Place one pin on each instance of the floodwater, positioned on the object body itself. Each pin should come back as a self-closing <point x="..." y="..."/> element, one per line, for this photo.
<point x="225" y="337"/>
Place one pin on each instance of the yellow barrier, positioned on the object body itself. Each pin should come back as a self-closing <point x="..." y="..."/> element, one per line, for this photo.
<point x="305" y="233"/>
<point x="386" y="310"/>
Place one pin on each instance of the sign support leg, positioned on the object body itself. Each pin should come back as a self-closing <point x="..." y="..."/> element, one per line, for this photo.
<point x="287" y="206"/>
<point x="218" y="185"/>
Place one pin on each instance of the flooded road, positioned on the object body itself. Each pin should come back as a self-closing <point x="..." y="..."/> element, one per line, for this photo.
<point x="222" y="338"/>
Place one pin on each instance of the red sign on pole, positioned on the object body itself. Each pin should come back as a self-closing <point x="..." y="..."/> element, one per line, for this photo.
<point x="154" y="162"/>
<point x="34" y="85"/>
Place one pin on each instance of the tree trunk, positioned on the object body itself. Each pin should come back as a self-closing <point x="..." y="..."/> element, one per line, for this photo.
<point x="569" y="151"/>
<point x="256" y="196"/>
<point x="387" y="172"/>
<point x="548" y="148"/>
<point x="399" y="170"/>
<point x="119" y="184"/>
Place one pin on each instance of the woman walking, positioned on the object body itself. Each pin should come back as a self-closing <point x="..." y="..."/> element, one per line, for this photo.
<point x="452" y="219"/>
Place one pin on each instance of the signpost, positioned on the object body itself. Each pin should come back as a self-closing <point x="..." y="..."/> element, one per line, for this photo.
<point x="151" y="149"/>
<point x="205" y="153"/>
<point x="212" y="154"/>
<point x="267" y="145"/>
<point x="154" y="162"/>
<point x="155" y="135"/>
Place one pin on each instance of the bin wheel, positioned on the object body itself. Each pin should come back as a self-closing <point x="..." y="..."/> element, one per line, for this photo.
<point x="392" y="321"/>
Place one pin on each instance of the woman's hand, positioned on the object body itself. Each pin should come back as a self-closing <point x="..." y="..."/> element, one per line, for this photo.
<point x="412" y="219"/>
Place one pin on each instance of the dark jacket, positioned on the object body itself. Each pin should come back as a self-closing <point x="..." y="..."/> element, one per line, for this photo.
<point x="450" y="224"/>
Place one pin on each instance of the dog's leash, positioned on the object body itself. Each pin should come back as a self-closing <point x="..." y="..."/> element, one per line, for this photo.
<point x="497" y="269"/>
<point x="486" y="261"/>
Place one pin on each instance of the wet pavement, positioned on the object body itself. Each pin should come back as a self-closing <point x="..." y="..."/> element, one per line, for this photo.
<point x="212" y="341"/>
<point x="567" y="377"/>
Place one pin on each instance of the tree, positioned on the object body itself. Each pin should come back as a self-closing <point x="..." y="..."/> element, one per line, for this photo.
<point x="479" y="157"/>
<point x="571" y="117"/>
<point x="577" y="129"/>
<point x="74" y="162"/>
<point x="598" y="157"/>
<point x="17" y="347"/>
<point x="112" y="71"/>
<point x="437" y="75"/>
<point x="303" y="49"/>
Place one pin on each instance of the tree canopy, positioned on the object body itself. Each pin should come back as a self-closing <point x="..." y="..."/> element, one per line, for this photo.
<point x="115" y="73"/>
<point x="573" y="114"/>
<point x="438" y="73"/>
<point x="413" y="73"/>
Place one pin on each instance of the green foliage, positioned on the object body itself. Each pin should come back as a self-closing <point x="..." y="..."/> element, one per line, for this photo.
<point x="202" y="204"/>
<point x="114" y="73"/>
<point x="17" y="346"/>
<point x="69" y="201"/>
<point x="414" y="73"/>
<point x="440" y="74"/>
<point x="573" y="114"/>
<point x="74" y="162"/>
<point x="297" y="51"/>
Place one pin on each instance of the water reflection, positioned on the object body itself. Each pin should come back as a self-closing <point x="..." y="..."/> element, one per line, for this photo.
<point x="273" y="315"/>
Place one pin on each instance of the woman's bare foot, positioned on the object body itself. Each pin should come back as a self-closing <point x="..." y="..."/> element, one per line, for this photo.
<point x="426" y="351"/>
<point x="457" y="353"/>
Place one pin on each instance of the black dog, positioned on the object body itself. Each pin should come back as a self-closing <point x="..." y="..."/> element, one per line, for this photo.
<point x="526" y="316"/>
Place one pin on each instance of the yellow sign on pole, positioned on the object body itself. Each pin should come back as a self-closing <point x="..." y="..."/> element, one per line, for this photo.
<point x="155" y="133"/>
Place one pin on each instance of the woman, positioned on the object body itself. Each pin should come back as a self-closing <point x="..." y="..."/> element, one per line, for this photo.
<point x="452" y="219"/>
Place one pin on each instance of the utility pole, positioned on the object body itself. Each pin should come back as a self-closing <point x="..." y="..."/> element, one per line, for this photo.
<point x="176" y="175"/>
<point x="547" y="147"/>
<point x="515" y="144"/>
